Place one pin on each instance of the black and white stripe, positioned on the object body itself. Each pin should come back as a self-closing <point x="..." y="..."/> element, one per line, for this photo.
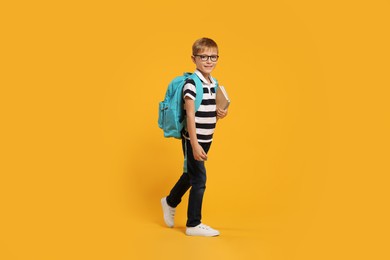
<point x="206" y="116"/>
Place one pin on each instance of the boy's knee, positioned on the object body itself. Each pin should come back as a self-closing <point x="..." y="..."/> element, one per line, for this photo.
<point x="198" y="189"/>
<point x="199" y="184"/>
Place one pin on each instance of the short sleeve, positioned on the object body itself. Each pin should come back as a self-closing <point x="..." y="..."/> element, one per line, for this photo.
<point x="189" y="90"/>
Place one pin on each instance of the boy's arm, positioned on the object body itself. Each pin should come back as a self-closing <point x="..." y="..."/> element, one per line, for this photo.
<point x="197" y="150"/>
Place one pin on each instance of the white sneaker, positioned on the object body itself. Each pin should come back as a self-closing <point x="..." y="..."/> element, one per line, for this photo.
<point x="169" y="213"/>
<point x="201" y="230"/>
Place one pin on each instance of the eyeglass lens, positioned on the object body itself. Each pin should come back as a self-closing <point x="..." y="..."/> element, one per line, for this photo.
<point x="206" y="57"/>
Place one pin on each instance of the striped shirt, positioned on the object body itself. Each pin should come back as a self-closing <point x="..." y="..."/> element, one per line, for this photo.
<point x="206" y="116"/>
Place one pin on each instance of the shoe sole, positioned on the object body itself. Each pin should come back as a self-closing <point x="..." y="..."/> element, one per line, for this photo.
<point x="201" y="235"/>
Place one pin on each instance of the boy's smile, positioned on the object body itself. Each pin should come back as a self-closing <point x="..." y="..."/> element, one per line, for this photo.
<point x="206" y="67"/>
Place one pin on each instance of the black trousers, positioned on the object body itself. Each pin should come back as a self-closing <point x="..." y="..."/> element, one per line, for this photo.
<point x="193" y="177"/>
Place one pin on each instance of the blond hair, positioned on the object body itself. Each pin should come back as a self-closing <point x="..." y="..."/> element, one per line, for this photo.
<point x="203" y="43"/>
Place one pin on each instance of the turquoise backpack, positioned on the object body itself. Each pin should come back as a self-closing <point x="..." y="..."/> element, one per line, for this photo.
<point x="171" y="113"/>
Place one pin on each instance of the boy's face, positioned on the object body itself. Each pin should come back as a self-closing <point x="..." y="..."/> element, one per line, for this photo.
<point x="207" y="66"/>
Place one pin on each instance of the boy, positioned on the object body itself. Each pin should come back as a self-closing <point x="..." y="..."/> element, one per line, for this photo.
<point x="196" y="140"/>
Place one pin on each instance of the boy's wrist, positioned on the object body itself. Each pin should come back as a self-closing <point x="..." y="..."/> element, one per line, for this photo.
<point x="193" y="141"/>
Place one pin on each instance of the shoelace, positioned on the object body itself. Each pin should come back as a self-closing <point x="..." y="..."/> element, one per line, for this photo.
<point x="172" y="212"/>
<point x="203" y="226"/>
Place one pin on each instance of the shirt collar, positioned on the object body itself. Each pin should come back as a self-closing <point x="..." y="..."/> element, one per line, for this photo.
<point x="202" y="78"/>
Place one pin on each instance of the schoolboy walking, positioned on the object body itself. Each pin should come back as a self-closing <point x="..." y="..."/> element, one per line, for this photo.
<point x="197" y="137"/>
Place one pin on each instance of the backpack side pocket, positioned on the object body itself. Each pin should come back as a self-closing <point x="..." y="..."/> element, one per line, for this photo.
<point x="161" y="111"/>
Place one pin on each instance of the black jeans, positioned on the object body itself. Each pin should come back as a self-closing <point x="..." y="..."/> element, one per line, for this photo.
<point x="194" y="177"/>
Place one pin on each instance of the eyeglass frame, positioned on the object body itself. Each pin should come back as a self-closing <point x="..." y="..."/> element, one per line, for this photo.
<point x="208" y="57"/>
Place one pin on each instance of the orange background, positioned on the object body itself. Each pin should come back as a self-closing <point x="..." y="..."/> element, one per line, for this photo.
<point x="298" y="170"/>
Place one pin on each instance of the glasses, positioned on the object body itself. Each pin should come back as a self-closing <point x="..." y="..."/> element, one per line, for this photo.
<point x="213" y="58"/>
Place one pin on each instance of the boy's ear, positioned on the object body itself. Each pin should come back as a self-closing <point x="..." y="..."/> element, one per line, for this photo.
<point x="193" y="59"/>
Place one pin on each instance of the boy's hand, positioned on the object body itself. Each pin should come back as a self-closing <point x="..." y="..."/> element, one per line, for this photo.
<point x="221" y="113"/>
<point x="199" y="153"/>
